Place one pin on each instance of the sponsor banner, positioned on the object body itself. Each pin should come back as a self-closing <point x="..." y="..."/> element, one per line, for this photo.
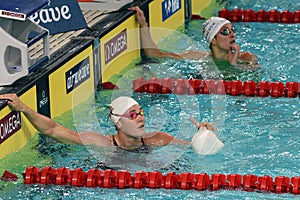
<point x="104" y="5"/>
<point x="115" y="46"/>
<point x="60" y="16"/>
<point x="9" y="125"/>
<point x="77" y="75"/>
<point x="20" y="10"/>
<point x="72" y="82"/>
<point x="169" y="7"/>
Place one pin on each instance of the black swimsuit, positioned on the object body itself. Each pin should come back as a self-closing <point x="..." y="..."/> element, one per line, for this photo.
<point x="143" y="149"/>
<point x="123" y="158"/>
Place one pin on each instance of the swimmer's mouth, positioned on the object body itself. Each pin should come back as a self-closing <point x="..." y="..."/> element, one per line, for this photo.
<point x="232" y="41"/>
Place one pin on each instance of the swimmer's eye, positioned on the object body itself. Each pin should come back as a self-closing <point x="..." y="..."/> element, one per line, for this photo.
<point x="132" y="115"/>
<point x="226" y="31"/>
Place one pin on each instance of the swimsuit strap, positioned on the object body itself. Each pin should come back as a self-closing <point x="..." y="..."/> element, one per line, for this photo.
<point x="116" y="144"/>
<point x="114" y="141"/>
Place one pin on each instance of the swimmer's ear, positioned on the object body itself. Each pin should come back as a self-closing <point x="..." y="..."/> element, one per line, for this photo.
<point x="213" y="41"/>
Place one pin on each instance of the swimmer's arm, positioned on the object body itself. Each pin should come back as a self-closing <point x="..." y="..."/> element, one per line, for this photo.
<point x="43" y="123"/>
<point x="149" y="46"/>
<point x="177" y="141"/>
<point x="50" y="128"/>
<point x="151" y="49"/>
<point x="162" y="139"/>
<point x="62" y="134"/>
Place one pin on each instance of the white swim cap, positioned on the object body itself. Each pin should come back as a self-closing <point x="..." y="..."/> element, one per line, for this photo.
<point x="119" y="106"/>
<point x="212" y="26"/>
<point x="206" y="142"/>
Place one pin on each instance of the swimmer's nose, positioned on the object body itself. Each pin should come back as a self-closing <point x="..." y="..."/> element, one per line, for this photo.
<point x="140" y="118"/>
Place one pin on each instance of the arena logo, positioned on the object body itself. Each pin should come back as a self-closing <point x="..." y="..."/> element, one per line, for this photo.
<point x="60" y="17"/>
<point x="77" y="75"/>
<point x="169" y="7"/>
<point x="115" y="46"/>
<point x="12" y="15"/>
<point x="9" y="125"/>
<point x="52" y="14"/>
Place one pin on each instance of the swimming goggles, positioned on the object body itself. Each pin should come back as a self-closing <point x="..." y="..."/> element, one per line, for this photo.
<point x="132" y="115"/>
<point x="226" y="31"/>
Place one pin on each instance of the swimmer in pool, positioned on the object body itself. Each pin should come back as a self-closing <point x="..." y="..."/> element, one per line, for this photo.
<point x="219" y="34"/>
<point x="125" y="113"/>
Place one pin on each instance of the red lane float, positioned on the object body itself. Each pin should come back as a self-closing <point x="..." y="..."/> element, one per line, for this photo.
<point x="141" y="179"/>
<point x="273" y="16"/>
<point x="8" y="177"/>
<point x="195" y="86"/>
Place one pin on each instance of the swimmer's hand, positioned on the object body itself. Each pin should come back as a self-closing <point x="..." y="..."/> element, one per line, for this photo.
<point x="14" y="102"/>
<point x="208" y="126"/>
<point x="206" y="142"/>
<point x="234" y="53"/>
<point x="140" y="16"/>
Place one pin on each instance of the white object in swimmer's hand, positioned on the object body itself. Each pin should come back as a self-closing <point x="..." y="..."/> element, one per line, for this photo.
<point x="206" y="142"/>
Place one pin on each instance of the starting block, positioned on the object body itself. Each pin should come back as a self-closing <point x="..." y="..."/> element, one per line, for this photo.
<point x="18" y="36"/>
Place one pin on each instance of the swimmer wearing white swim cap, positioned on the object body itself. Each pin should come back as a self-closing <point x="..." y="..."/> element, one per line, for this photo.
<point x="219" y="35"/>
<point x="127" y="115"/>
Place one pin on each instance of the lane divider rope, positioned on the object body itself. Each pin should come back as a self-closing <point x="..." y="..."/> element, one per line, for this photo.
<point x="209" y="86"/>
<point x="140" y="179"/>
<point x="248" y="15"/>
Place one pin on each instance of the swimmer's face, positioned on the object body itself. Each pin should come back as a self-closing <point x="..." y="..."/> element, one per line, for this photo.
<point x="133" y="122"/>
<point x="225" y="37"/>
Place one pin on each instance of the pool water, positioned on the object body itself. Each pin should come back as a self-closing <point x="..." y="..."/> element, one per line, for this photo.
<point x="261" y="135"/>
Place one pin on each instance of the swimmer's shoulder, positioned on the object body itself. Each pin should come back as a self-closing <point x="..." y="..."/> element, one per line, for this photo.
<point x="110" y="139"/>
<point x="158" y="138"/>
